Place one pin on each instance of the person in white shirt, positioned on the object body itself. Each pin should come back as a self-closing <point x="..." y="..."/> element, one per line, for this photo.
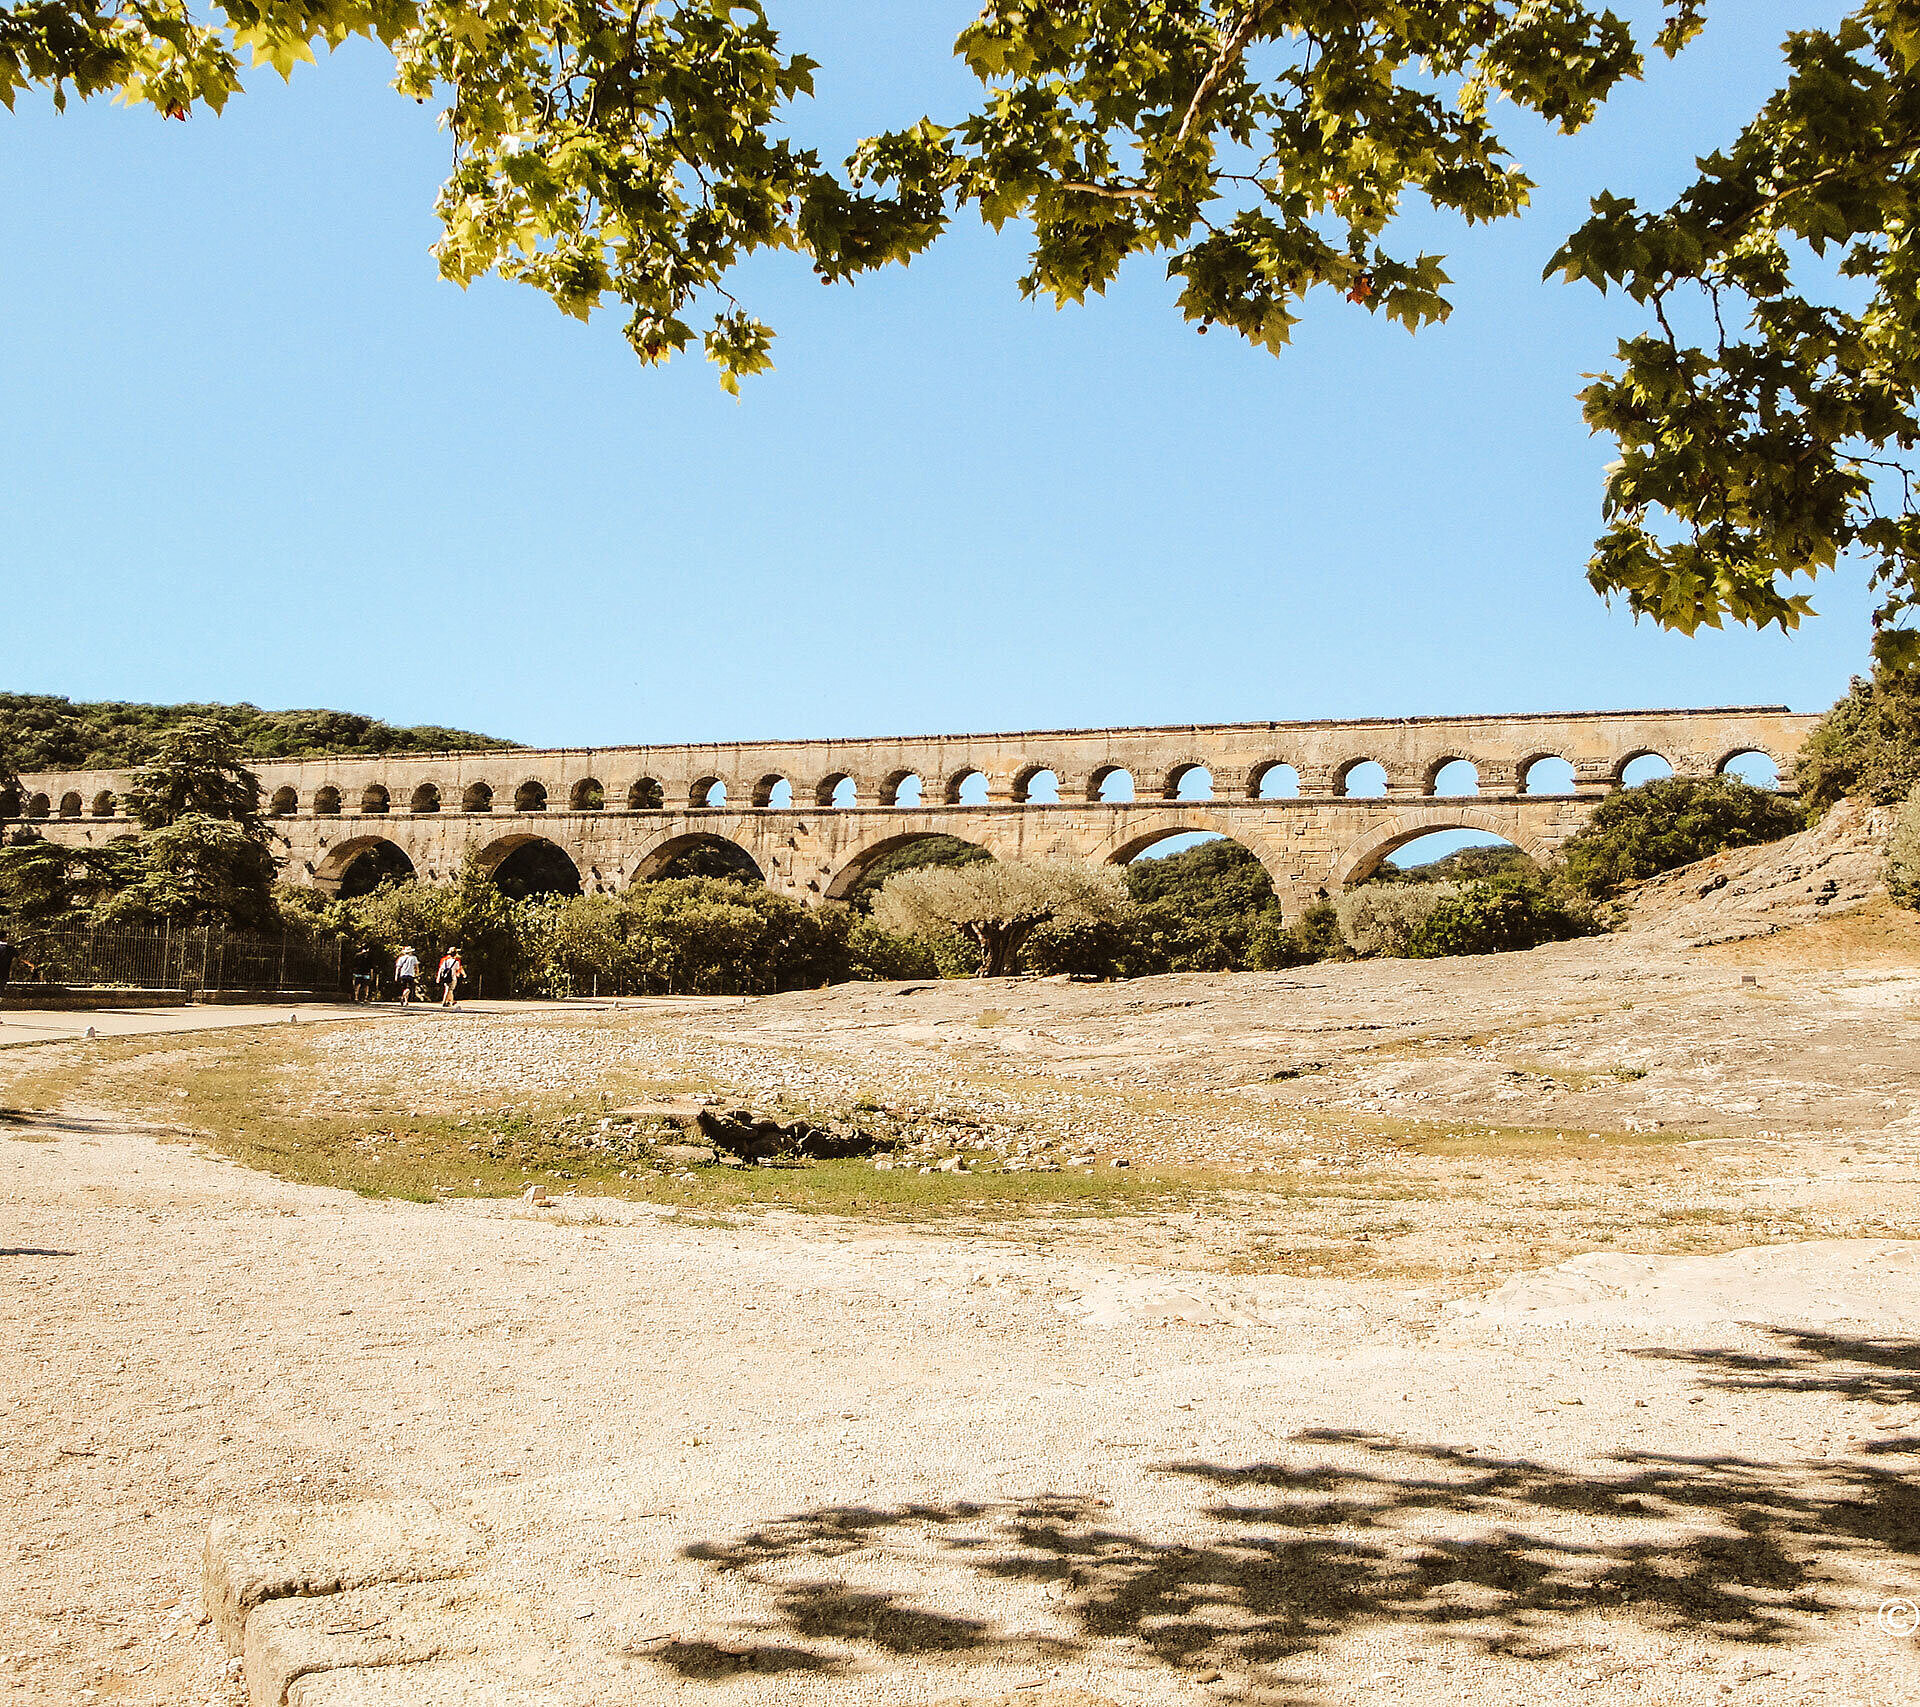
<point x="406" y="975"/>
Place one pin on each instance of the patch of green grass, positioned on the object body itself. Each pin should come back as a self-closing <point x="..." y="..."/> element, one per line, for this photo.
<point x="1475" y="1138"/>
<point x="242" y="1096"/>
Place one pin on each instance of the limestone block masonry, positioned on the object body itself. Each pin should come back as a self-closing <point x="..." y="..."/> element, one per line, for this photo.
<point x="813" y="815"/>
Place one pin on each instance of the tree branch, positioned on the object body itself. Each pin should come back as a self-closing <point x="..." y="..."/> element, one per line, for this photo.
<point x="1230" y="50"/>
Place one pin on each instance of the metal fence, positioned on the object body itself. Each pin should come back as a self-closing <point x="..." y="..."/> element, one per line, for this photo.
<point x="193" y="958"/>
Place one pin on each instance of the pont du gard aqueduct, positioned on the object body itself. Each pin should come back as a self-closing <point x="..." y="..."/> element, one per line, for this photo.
<point x="1320" y="803"/>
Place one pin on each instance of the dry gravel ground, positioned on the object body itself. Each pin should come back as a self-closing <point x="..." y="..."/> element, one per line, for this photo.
<point x="1560" y="1339"/>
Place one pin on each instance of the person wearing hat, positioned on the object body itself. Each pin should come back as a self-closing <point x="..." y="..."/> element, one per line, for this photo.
<point x="406" y="975"/>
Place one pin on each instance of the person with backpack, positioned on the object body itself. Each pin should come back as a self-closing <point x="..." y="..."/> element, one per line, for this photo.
<point x="452" y="975"/>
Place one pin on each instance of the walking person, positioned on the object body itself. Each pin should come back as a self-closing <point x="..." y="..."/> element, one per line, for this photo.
<point x="6" y="963"/>
<point x="453" y="972"/>
<point x="406" y="976"/>
<point x="363" y="974"/>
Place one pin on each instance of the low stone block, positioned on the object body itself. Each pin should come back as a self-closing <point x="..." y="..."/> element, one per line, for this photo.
<point x="287" y="1553"/>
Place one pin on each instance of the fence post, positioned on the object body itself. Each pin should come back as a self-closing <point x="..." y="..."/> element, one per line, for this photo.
<point x="281" y="984"/>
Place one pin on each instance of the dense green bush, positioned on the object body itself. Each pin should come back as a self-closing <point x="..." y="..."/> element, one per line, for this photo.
<point x="679" y="935"/>
<point x="1637" y="833"/>
<point x="1517" y="909"/>
<point x="1383" y="918"/>
<point x="1199" y="910"/>
<point x="1868" y="744"/>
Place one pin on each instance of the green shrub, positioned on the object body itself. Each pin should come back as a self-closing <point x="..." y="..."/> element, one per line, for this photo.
<point x="1868" y="744"/>
<point x="1082" y="948"/>
<point x="876" y="954"/>
<point x="1637" y="833"/>
<point x="1318" y="932"/>
<point x="1903" y="854"/>
<point x="1513" y="911"/>
<point x="1273" y="946"/>
<point x="1382" y="918"/>
<point x="1198" y="911"/>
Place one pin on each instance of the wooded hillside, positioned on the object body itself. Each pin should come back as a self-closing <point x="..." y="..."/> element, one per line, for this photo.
<point x="40" y="732"/>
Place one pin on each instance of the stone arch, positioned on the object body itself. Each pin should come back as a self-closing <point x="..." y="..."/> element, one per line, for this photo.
<point x="892" y="783"/>
<point x="1430" y="779"/>
<point x="530" y="796"/>
<point x="1103" y="775"/>
<point x="764" y="789"/>
<point x="425" y="798"/>
<point x="587" y="795"/>
<point x="1524" y="770"/>
<point x="1126" y="843"/>
<point x="707" y="792"/>
<point x="285" y="803"/>
<point x="504" y="860"/>
<point x="959" y="780"/>
<point x="830" y="786"/>
<point x="1362" y="856"/>
<point x="477" y="797"/>
<point x="104" y="804"/>
<point x="646" y="795"/>
<point x="38" y="806"/>
<point x="374" y="798"/>
<point x="71" y="804"/>
<point x="1751" y="751"/>
<point x="662" y="854"/>
<point x="326" y="801"/>
<point x="1031" y="772"/>
<point x="864" y="858"/>
<point x="1266" y="770"/>
<point x="332" y="875"/>
<point x="1638" y="753"/>
<point x="1343" y="775"/>
<point x="1179" y="771"/>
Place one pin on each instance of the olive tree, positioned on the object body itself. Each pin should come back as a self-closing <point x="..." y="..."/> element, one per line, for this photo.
<point x="997" y="905"/>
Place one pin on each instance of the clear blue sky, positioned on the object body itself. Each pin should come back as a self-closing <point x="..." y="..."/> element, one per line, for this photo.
<point x="253" y="448"/>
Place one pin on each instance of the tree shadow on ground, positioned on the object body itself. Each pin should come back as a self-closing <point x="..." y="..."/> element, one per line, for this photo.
<point x="1869" y="1370"/>
<point x="1358" y="1530"/>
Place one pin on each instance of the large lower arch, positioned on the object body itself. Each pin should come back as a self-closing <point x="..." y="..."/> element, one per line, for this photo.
<point x="1136" y="835"/>
<point x="864" y="859"/>
<point x="361" y="864"/>
<point x="1362" y="856"/>
<point x="524" y="866"/>
<point x="697" y="848"/>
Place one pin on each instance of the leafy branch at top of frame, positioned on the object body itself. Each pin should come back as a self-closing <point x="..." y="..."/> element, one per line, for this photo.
<point x="1761" y="454"/>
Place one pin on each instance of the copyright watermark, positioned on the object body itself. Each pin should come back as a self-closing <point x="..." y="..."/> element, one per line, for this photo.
<point x="1898" y="1617"/>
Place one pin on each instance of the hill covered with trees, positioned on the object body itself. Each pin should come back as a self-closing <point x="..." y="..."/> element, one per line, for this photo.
<point x="44" y="732"/>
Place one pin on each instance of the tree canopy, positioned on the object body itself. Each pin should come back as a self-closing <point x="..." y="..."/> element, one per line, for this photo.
<point x="1637" y="833"/>
<point x="997" y="905"/>
<point x="641" y="150"/>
